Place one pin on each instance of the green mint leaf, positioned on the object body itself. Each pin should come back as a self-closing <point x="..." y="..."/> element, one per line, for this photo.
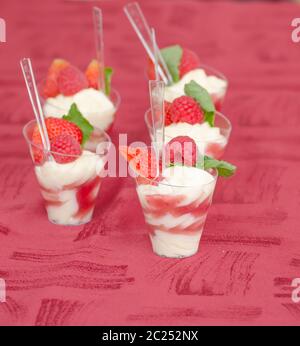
<point x="74" y="116"/>
<point x="225" y="169"/>
<point x="108" y="72"/>
<point x="172" y="56"/>
<point x="203" y="98"/>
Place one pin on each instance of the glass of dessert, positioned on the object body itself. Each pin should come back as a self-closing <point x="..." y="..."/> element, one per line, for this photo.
<point x="175" y="199"/>
<point x="194" y="114"/>
<point x="184" y="66"/>
<point x="65" y="84"/>
<point x="69" y="174"/>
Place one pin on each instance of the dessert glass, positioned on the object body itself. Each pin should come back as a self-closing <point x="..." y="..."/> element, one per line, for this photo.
<point x="212" y="148"/>
<point x="175" y="215"/>
<point x="69" y="189"/>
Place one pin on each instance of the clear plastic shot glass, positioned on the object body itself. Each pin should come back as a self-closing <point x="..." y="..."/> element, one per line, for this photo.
<point x="69" y="189"/>
<point x="175" y="206"/>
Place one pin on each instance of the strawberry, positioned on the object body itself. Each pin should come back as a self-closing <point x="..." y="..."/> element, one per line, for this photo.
<point x="55" y="127"/>
<point x="150" y="70"/>
<point x="168" y="120"/>
<point x="189" y="62"/>
<point x="71" y="80"/>
<point x="50" y="88"/>
<point x="141" y="160"/>
<point x="186" y="109"/>
<point x="92" y="74"/>
<point x="182" y="150"/>
<point x="65" y="148"/>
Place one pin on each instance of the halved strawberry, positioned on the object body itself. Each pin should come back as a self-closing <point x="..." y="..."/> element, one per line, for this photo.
<point x="141" y="160"/>
<point x="50" y="87"/>
<point x="92" y="74"/>
<point x="71" y="80"/>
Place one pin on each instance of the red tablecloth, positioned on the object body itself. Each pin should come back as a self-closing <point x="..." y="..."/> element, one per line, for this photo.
<point x="105" y="273"/>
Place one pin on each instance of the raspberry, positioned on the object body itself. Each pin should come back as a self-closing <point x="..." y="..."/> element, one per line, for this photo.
<point x="71" y="80"/>
<point x="168" y="120"/>
<point x="186" y="109"/>
<point x="65" y="148"/>
<point x="92" y="74"/>
<point x="182" y="150"/>
<point x="50" y="88"/>
<point x="141" y="160"/>
<point x="189" y="62"/>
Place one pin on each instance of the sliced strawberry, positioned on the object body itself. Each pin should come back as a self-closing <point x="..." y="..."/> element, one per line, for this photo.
<point x="50" y="88"/>
<point x="71" y="80"/>
<point x="65" y="148"/>
<point x="141" y="160"/>
<point x="92" y="74"/>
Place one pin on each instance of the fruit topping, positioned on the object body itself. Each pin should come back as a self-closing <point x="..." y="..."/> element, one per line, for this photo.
<point x="71" y="80"/>
<point x="141" y="160"/>
<point x="50" y="87"/>
<point x="181" y="150"/>
<point x="65" y="148"/>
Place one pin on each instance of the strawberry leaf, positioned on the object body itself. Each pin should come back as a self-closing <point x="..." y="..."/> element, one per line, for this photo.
<point x="204" y="100"/>
<point x="108" y="71"/>
<point x="225" y="169"/>
<point x="172" y="56"/>
<point x="74" y="116"/>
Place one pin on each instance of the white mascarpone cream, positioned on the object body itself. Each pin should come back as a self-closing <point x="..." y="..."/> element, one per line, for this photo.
<point x="214" y="85"/>
<point x="203" y="134"/>
<point x="196" y="185"/>
<point x="54" y="177"/>
<point x="96" y="107"/>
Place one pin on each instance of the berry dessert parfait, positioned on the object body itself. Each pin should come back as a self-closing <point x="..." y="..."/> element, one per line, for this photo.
<point x="194" y="115"/>
<point x="175" y="200"/>
<point x="66" y="84"/>
<point x="69" y="175"/>
<point x="184" y="66"/>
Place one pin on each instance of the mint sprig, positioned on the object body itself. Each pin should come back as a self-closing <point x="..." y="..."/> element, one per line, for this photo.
<point x="108" y="72"/>
<point x="75" y="117"/>
<point x="198" y="93"/>
<point x="225" y="169"/>
<point x="172" y="56"/>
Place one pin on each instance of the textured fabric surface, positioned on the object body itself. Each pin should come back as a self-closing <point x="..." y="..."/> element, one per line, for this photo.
<point x="105" y="273"/>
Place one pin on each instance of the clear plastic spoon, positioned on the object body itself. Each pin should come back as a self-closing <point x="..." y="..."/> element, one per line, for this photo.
<point x="35" y="102"/>
<point x="156" y="91"/>
<point x="99" y="42"/>
<point x="142" y="29"/>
